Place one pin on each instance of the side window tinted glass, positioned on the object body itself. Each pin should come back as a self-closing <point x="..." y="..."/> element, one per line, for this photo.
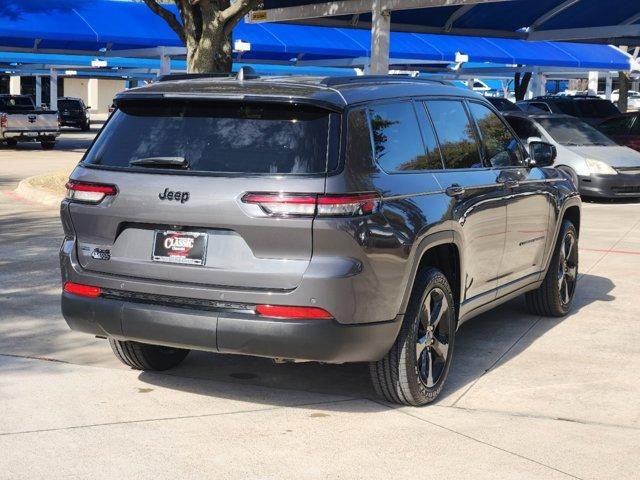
<point x="501" y="148"/>
<point x="397" y="140"/>
<point x="524" y="127"/>
<point x="359" y="149"/>
<point x="543" y="107"/>
<point x="455" y="133"/>
<point x="617" y="126"/>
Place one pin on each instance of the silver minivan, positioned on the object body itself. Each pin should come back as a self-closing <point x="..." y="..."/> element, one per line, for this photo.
<point x="598" y="166"/>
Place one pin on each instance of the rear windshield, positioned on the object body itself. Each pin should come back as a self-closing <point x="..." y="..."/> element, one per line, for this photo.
<point x="588" y="108"/>
<point x="70" y="104"/>
<point x="215" y="137"/>
<point x="574" y="132"/>
<point x="15" y="104"/>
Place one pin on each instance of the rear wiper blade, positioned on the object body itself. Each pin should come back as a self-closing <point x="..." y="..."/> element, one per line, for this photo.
<point x="163" y="162"/>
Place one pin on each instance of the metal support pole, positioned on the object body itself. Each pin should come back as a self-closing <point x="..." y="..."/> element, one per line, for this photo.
<point x="165" y="63"/>
<point x="38" y="91"/>
<point x="608" y="86"/>
<point x="380" y="35"/>
<point x="14" y="85"/>
<point x="592" y="84"/>
<point x="53" y="90"/>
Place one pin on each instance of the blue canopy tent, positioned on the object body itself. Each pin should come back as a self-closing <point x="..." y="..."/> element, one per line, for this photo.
<point x="109" y="28"/>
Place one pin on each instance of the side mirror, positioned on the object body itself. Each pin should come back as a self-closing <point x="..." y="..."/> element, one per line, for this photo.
<point x="541" y="154"/>
<point x="87" y="107"/>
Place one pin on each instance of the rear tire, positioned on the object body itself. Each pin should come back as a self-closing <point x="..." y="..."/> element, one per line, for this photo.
<point x="141" y="356"/>
<point x="414" y="371"/>
<point x="47" y="145"/>
<point x="12" y="143"/>
<point x="554" y="297"/>
<point x="86" y="127"/>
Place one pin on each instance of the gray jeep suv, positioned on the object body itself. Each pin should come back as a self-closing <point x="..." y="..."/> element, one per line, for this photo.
<point x="358" y="219"/>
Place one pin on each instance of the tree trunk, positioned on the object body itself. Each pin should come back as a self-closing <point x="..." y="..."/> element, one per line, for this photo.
<point x="210" y="55"/>
<point x="623" y="92"/>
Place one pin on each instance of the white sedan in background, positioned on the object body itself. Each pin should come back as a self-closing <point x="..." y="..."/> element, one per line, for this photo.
<point x="597" y="165"/>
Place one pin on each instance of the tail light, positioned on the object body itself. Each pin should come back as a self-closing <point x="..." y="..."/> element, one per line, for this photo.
<point x="294" y="205"/>
<point x="4" y="120"/>
<point x="89" y="192"/>
<point x="292" y="313"/>
<point x="82" y="290"/>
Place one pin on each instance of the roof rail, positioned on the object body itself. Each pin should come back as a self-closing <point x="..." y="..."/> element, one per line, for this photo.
<point x="189" y="76"/>
<point x="359" y="79"/>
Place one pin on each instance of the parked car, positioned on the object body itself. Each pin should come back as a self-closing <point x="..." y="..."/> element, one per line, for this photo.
<point x="21" y="121"/>
<point x="591" y="109"/>
<point x="633" y="99"/>
<point x="623" y="129"/>
<point x="357" y="219"/>
<point x="74" y="113"/>
<point x="503" y="105"/>
<point x="596" y="164"/>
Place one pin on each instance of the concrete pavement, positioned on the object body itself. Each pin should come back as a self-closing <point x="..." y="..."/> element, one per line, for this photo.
<point x="527" y="397"/>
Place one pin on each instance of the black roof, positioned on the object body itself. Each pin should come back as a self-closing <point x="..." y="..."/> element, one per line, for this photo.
<point x="334" y="93"/>
<point x="565" y="98"/>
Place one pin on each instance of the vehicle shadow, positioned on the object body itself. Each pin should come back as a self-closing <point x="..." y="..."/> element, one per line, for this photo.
<point x="482" y="344"/>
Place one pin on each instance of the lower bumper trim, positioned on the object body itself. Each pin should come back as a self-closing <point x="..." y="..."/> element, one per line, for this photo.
<point x="229" y="331"/>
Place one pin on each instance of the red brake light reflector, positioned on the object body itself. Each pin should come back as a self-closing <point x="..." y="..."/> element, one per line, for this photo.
<point x="281" y="311"/>
<point x="308" y="205"/>
<point x="82" y="290"/>
<point x="89" y="192"/>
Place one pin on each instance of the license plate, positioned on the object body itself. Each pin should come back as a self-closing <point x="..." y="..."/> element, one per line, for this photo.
<point x="188" y="248"/>
<point x="32" y="134"/>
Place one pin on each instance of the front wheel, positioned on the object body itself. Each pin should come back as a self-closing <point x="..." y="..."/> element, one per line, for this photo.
<point x="141" y="356"/>
<point x="414" y="371"/>
<point x="554" y="297"/>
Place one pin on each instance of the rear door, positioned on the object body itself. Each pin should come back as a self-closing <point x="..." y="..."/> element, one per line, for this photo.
<point x="477" y="202"/>
<point x="529" y="199"/>
<point x="229" y="150"/>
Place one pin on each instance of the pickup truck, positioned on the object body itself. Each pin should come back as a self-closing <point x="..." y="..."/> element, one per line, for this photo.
<point x="21" y="121"/>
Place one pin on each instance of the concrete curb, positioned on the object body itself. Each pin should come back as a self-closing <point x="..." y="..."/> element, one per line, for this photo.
<point x="33" y="194"/>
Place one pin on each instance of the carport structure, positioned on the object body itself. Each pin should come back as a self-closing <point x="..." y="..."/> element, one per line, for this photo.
<point x="116" y="38"/>
<point x="617" y="22"/>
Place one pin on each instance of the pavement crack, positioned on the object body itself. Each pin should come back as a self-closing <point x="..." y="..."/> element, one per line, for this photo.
<point x="490" y="367"/>
<point x="477" y="440"/>
<point x="179" y="417"/>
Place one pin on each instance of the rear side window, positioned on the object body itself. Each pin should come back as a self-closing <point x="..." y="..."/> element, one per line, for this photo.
<point x="455" y="133"/>
<point x="397" y="139"/>
<point x="596" y="108"/>
<point x="500" y="146"/>
<point x="216" y="137"/>
<point x="524" y="127"/>
<point x="616" y="126"/>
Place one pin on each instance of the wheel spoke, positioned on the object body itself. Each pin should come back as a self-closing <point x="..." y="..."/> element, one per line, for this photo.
<point x="572" y="273"/>
<point x="420" y="346"/>
<point x="428" y="355"/>
<point x="441" y="308"/>
<point x="440" y="348"/>
<point x="569" y="246"/>
<point x="564" y="291"/>
<point x="425" y="313"/>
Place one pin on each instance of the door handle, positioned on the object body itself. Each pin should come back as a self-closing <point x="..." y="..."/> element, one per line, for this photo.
<point x="511" y="183"/>
<point x="454" y="190"/>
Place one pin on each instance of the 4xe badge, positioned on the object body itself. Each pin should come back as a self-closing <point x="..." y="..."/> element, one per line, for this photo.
<point x="177" y="196"/>
<point x="101" y="254"/>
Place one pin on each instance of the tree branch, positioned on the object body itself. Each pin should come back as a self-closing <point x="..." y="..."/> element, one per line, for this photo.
<point x="232" y="15"/>
<point x="168" y="17"/>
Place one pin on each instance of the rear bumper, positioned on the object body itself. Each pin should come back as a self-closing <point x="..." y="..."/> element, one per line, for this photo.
<point x="230" y="332"/>
<point x="23" y="136"/>
<point x="610" y="186"/>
